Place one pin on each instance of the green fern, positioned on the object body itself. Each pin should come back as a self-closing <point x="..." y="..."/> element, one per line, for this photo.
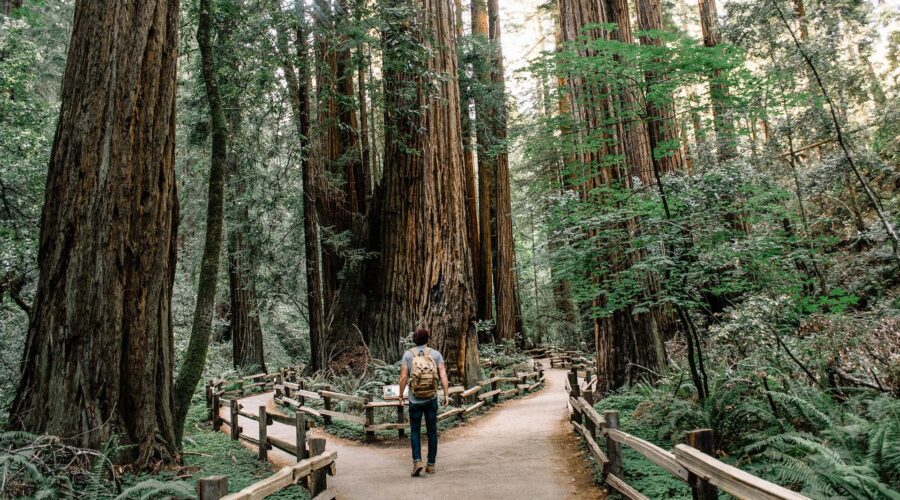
<point x="154" y="488"/>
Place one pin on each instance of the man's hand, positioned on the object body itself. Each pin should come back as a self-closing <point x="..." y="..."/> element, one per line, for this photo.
<point x="446" y="401"/>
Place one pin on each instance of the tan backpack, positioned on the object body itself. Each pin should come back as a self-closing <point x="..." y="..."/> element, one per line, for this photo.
<point x="423" y="380"/>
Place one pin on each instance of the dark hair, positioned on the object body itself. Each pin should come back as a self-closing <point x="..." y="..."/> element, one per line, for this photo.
<point x="420" y="336"/>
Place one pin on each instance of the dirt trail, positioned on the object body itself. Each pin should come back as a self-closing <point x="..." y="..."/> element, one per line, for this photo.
<point x="522" y="449"/>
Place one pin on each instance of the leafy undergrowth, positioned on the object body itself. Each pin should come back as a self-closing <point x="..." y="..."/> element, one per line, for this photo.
<point x="208" y="453"/>
<point x="794" y="435"/>
<point x="644" y="475"/>
<point x="43" y="467"/>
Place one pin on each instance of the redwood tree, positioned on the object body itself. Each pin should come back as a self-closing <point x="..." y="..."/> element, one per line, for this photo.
<point x="296" y="70"/>
<point x="635" y="142"/>
<point x="718" y="89"/>
<point x="485" y="280"/>
<point x="506" y="290"/>
<point x="623" y="337"/>
<point x="345" y="186"/>
<point x="99" y="353"/>
<point x="424" y="273"/>
<point x="662" y="128"/>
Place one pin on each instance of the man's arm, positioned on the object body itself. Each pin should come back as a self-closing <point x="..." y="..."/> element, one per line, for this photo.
<point x="403" y="377"/>
<point x="442" y="369"/>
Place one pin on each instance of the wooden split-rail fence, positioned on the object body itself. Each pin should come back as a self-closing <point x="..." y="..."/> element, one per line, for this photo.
<point x="310" y="473"/>
<point x="291" y="392"/>
<point x="295" y="395"/>
<point x="691" y="462"/>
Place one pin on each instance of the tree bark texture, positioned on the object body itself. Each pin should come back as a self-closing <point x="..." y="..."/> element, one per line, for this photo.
<point x="635" y="142"/>
<point x="485" y="280"/>
<point x="195" y="357"/>
<point x="623" y="338"/>
<point x="506" y="289"/>
<point x="344" y="185"/>
<point x="483" y="302"/>
<point x="99" y="352"/>
<point x="424" y="274"/>
<point x="244" y="325"/>
<point x="662" y="127"/>
<point x="718" y="90"/>
<point x="297" y="78"/>
<point x="562" y="289"/>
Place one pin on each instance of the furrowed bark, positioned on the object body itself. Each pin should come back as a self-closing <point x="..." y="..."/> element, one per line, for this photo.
<point x="635" y="143"/>
<point x="99" y="352"/>
<point x="483" y="302"/>
<point x="718" y="89"/>
<point x="662" y="128"/>
<point x="623" y="339"/>
<point x="486" y="169"/>
<point x="424" y="274"/>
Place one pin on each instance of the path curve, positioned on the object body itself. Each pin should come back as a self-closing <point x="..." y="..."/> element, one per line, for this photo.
<point x="522" y="449"/>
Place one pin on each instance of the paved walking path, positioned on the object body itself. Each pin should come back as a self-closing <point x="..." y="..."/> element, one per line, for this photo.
<point x="521" y="450"/>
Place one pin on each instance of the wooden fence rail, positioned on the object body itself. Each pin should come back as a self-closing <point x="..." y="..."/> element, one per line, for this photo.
<point x="310" y="472"/>
<point x="295" y="394"/>
<point x="691" y="462"/>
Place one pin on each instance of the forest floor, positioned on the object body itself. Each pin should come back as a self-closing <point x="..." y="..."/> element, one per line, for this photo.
<point x="523" y="448"/>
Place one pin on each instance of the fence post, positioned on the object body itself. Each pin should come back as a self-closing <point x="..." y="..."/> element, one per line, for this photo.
<point x="496" y="398"/>
<point x="301" y="399"/>
<point x="370" y="418"/>
<point x="613" y="449"/>
<point x="300" y="427"/>
<point x="401" y="419"/>
<point x="588" y="423"/>
<point x="279" y="380"/>
<point x="263" y="434"/>
<point x="573" y="384"/>
<point x="209" y="408"/>
<point x="588" y="375"/>
<point x="235" y="429"/>
<point x="212" y="487"/>
<point x="317" y="480"/>
<point x="216" y="419"/>
<point x="326" y="402"/>
<point x="701" y="489"/>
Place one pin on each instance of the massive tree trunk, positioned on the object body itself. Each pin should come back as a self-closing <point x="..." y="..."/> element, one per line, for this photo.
<point x="297" y="78"/>
<point x="635" y="142"/>
<point x="624" y="338"/>
<point x="485" y="280"/>
<point x="483" y="302"/>
<point x="662" y="127"/>
<point x="195" y="357"/>
<point x="506" y="289"/>
<point x="562" y="289"/>
<point x="718" y="89"/>
<point x="345" y="185"/>
<point x="244" y="326"/>
<point x="424" y="274"/>
<point x="99" y="353"/>
<point x="246" y="331"/>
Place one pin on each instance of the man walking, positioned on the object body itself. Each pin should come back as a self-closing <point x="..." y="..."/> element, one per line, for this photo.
<point x="423" y="367"/>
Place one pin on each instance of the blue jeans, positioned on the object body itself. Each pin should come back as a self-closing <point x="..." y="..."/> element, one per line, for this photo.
<point x="416" y="410"/>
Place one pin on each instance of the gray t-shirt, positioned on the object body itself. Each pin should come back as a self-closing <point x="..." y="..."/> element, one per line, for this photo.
<point x="408" y="359"/>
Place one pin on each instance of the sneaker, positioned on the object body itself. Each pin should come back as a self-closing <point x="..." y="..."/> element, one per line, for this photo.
<point x="429" y="469"/>
<point x="417" y="469"/>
